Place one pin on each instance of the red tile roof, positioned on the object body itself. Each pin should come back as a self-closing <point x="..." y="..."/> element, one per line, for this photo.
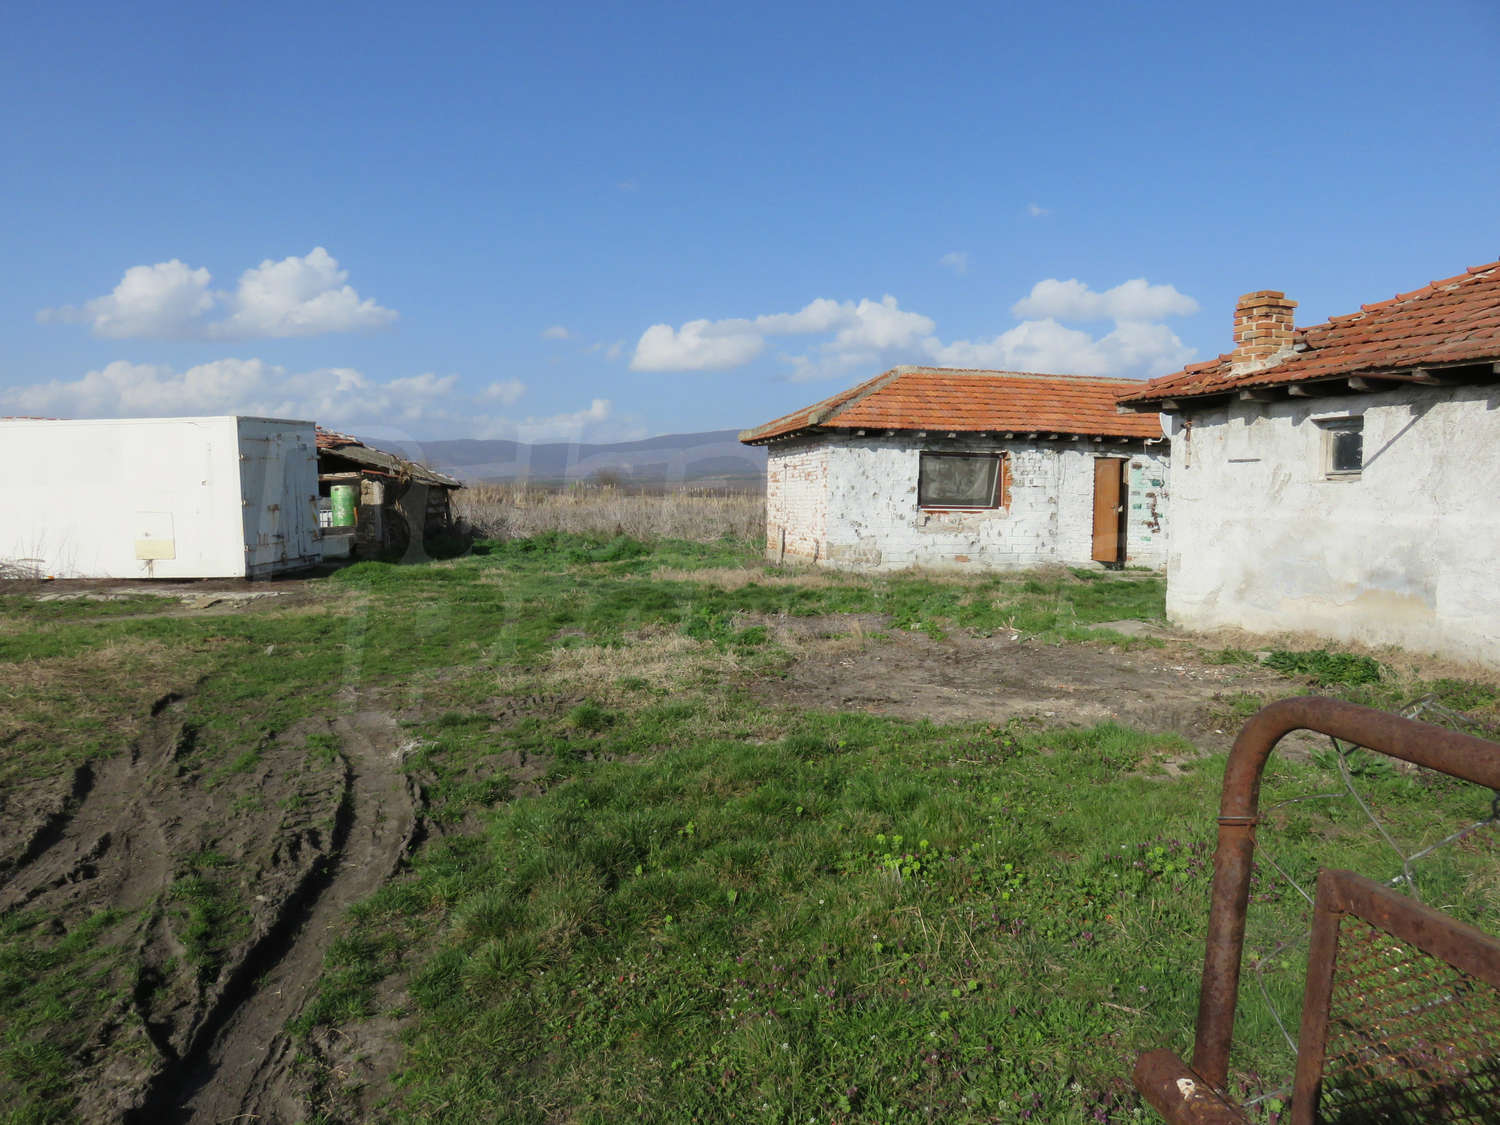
<point x="1450" y="322"/>
<point x="332" y="439"/>
<point x="937" y="398"/>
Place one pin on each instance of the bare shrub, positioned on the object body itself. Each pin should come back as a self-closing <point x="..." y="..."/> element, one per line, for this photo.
<point x="519" y="510"/>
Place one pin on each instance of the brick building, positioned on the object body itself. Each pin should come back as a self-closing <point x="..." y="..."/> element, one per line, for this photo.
<point x="950" y="469"/>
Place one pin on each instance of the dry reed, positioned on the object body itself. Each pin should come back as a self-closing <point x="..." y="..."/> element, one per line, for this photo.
<point x="519" y="510"/>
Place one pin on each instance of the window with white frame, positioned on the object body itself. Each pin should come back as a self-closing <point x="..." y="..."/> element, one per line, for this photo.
<point x="1343" y="447"/>
<point x="961" y="480"/>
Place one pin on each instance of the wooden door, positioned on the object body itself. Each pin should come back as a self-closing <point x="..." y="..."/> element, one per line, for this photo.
<point x="1109" y="509"/>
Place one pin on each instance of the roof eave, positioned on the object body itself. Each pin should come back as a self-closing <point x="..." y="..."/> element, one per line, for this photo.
<point x="1418" y="374"/>
<point x="1022" y="432"/>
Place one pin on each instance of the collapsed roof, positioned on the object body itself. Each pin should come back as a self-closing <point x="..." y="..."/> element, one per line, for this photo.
<point x="367" y="458"/>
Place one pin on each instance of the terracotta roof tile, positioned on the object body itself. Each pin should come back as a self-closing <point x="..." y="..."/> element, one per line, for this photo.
<point x="331" y="439"/>
<point x="936" y="398"/>
<point x="1452" y="321"/>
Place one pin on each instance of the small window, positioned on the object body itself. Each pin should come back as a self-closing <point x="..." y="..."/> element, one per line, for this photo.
<point x="961" y="480"/>
<point x="1344" y="447"/>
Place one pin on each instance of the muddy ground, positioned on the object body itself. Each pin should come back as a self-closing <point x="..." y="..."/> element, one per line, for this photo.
<point x="308" y="833"/>
<point x="198" y="1036"/>
<point x="963" y="678"/>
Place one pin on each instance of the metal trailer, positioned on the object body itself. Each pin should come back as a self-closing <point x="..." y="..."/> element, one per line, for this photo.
<point x="227" y="497"/>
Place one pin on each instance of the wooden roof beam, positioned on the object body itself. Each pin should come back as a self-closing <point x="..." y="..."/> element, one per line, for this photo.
<point x="1439" y="378"/>
<point x="1424" y="378"/>
<point x="1259" y="394"/>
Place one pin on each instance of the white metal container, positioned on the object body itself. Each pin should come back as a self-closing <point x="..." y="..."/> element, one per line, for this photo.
<point x="158" y="497"/>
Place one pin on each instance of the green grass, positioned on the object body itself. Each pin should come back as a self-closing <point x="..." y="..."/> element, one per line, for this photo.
<point x="1323" y="668"/>
<point x="715" y="909"/>
<point x="210" y="917"/>
<point x="862" y="916"/>
<point x="54" y="990"/>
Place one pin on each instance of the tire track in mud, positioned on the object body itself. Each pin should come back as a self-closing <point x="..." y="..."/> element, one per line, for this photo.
<point x="104" y="831"/>
<point x="240" y="1062"/>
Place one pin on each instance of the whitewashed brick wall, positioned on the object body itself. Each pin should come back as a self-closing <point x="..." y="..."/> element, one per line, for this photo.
<point x="797" y="500"/>
<point x="852" y="502"/>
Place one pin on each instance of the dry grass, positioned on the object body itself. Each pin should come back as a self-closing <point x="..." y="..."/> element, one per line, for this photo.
<point x="118" y="668"/>
<point x="516" y="511"/>
<point x="658" y="657"/>
<point x="105" y="692"/>
<point x="738" y="577"/>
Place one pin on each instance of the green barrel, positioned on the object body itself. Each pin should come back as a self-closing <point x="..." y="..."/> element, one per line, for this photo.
<point x="343" y="497"/>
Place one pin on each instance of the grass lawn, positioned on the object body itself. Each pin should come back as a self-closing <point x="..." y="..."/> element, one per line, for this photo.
<point x="705" y="907"/>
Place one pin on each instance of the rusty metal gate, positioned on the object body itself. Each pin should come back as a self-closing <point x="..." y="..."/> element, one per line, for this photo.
<point x="1401" y="1014"/>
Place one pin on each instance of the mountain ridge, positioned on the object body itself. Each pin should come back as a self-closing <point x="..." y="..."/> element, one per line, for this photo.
<point x="706" y="457"/>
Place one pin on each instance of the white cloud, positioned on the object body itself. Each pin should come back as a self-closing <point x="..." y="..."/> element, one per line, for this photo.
<point x="870" y="335"/>
<point x="334" y="396"/>
<point x="425" y="405"/>
<point x="715" y="345"/>
<point x="304" y="296"/>
<point x="568" y="425"/>
<point x="164" y="300"/>
<point x="1037" y="212"/>
<point x="595" y="422"/>
<point x="426" y="385"/>
<point x="555" y="332"/>
<point x="1049" y="347"/>
<point x="1131" y="300"/>
<point x="298" y="297"/>
<point x="699" y="345"/>
<point x="506" y="392"/>
<point x="955" y="260"/>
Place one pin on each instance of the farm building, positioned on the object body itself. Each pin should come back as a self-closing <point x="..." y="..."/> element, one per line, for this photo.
<point x="940" y="468"/>
<point x="371" y="499"/>
<point x="158" y="497"/>
<point x="1340" y="478"/>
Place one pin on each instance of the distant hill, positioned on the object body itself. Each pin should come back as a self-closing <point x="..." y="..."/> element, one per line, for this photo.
<point x="707" y="459"/>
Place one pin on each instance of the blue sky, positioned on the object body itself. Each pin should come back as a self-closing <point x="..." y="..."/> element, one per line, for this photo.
<point x="606" y="221"/>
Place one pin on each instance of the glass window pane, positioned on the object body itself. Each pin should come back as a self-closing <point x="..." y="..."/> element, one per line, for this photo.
<point x="955" y="480"/>
<point x="1348" y="453"/>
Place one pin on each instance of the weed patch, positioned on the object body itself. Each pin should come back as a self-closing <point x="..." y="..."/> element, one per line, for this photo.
<point x="1323" y="667"/>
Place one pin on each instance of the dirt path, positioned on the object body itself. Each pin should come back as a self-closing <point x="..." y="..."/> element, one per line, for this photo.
<point x="287" y="838"/>
<point x="243" y="1069"/>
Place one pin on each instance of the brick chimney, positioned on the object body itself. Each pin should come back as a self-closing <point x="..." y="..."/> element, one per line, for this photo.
<point x="1262" y="329"/>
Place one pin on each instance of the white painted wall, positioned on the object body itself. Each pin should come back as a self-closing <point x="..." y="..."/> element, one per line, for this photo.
<point x="851" y="502"/>
<point x="1405" y="554"/>
<point x="158" y="497"/>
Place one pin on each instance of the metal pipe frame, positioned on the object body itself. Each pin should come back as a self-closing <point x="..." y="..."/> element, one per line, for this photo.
<point x="1458" y="755"/>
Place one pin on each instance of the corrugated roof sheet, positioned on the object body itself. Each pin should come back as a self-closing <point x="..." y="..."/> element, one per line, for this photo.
<point x="938" y="398"/>
<point x="1453" y="321"/>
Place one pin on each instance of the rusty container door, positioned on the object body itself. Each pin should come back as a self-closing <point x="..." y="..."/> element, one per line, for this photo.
<point x="1109" y="509"/>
